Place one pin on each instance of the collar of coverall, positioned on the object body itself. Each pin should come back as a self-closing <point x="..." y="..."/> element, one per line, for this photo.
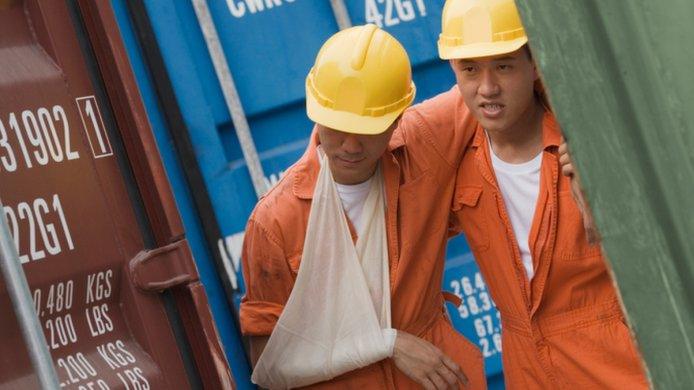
<point x="306" y="171"/>
<point x="551" y="134"/>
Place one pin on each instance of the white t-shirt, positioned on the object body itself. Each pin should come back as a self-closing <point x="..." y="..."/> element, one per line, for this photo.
<point x="520" y="186"/>
<point x="353" y="198"/>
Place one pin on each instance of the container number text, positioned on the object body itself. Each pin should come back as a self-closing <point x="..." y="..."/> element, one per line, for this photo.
<point x="44" y="237"/>
<point x="391" y="12"/>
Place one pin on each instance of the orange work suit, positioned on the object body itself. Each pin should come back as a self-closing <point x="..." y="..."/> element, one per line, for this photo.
<point x="419" y="170"/>
<point x="565" y="328"/>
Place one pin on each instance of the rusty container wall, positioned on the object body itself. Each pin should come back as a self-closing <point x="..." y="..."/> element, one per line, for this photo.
<point x="620" y="80"/>
<point x="91" y="212"/>
<point x="202" y="235"/>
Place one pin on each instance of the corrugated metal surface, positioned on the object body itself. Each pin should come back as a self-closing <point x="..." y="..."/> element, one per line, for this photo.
<point x="619" y="76"/>
<point x="270" y="50"/>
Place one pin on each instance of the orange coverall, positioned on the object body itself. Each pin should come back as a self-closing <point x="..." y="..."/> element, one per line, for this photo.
<point x="565" y="328"/>
<point x="419" y="170"/>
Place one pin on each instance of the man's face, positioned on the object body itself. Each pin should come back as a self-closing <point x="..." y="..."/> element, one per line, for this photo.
<point x="353" y="158"/>
<point x="498" y="90"/>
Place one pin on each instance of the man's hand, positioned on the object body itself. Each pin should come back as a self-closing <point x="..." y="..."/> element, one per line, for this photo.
<point x="567" y="169"/>
<point x="426" y="364"/>
<point x="257" y="345"/>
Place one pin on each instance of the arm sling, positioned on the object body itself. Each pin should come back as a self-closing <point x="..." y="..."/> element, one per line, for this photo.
<point x="338" y="313"/>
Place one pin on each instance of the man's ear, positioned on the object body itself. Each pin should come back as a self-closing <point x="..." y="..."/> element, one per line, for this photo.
<point x="396" y="122"/>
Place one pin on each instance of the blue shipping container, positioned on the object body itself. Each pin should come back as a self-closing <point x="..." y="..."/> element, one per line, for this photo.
<point x="270" y="46"/>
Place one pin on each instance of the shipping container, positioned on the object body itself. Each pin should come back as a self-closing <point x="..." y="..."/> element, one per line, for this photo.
<point x="108" y="276"/>
<point x="267" y="48"/>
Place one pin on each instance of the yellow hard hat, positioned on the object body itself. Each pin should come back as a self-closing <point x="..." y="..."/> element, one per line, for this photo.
<point x="361" y="81"/>
<point x="480" y="28"/>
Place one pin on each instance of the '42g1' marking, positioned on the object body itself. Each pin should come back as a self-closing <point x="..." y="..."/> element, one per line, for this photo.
<point x="394" y="11"/>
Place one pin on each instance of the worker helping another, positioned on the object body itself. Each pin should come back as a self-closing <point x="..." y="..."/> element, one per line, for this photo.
<point x="343" y="259"/>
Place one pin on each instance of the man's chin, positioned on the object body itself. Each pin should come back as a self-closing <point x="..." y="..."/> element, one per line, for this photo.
<point x="491" y="125"/>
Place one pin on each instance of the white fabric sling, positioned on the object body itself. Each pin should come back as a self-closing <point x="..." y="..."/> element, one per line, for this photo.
<point x="337" y="317"/>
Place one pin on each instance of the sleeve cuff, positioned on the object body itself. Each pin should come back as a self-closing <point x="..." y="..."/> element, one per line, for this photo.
<point x="258" y="318"/>
<point x="389" y="335"/>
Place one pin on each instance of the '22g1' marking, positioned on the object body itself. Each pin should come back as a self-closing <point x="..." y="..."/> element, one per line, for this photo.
<point x="35" y="214"/>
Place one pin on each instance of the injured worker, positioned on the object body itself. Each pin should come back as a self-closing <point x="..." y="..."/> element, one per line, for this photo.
<point x="343" y="259"/>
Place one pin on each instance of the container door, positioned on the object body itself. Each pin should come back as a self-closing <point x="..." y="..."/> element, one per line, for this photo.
<point x="91" y="213"/>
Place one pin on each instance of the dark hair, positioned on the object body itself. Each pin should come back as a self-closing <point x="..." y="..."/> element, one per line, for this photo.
<point x="527" y="51"/>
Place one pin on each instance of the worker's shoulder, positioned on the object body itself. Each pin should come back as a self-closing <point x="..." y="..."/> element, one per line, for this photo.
<point x="439" y="126"/>
<point x="438" y="111"/>
<point x="444" y="100"/>
<point x="441" y="117"/>
<point x="280" y="208"/>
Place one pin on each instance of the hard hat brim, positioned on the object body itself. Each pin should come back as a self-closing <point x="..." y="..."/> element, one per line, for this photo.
<point x="349" y="122"/>
<point x="477" y="50"/>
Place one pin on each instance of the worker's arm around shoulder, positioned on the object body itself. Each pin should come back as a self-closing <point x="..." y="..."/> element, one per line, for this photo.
<point x="441" y="124"/>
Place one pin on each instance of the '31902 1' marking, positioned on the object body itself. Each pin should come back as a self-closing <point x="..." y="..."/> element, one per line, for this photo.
<point x="40" y="137"/>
